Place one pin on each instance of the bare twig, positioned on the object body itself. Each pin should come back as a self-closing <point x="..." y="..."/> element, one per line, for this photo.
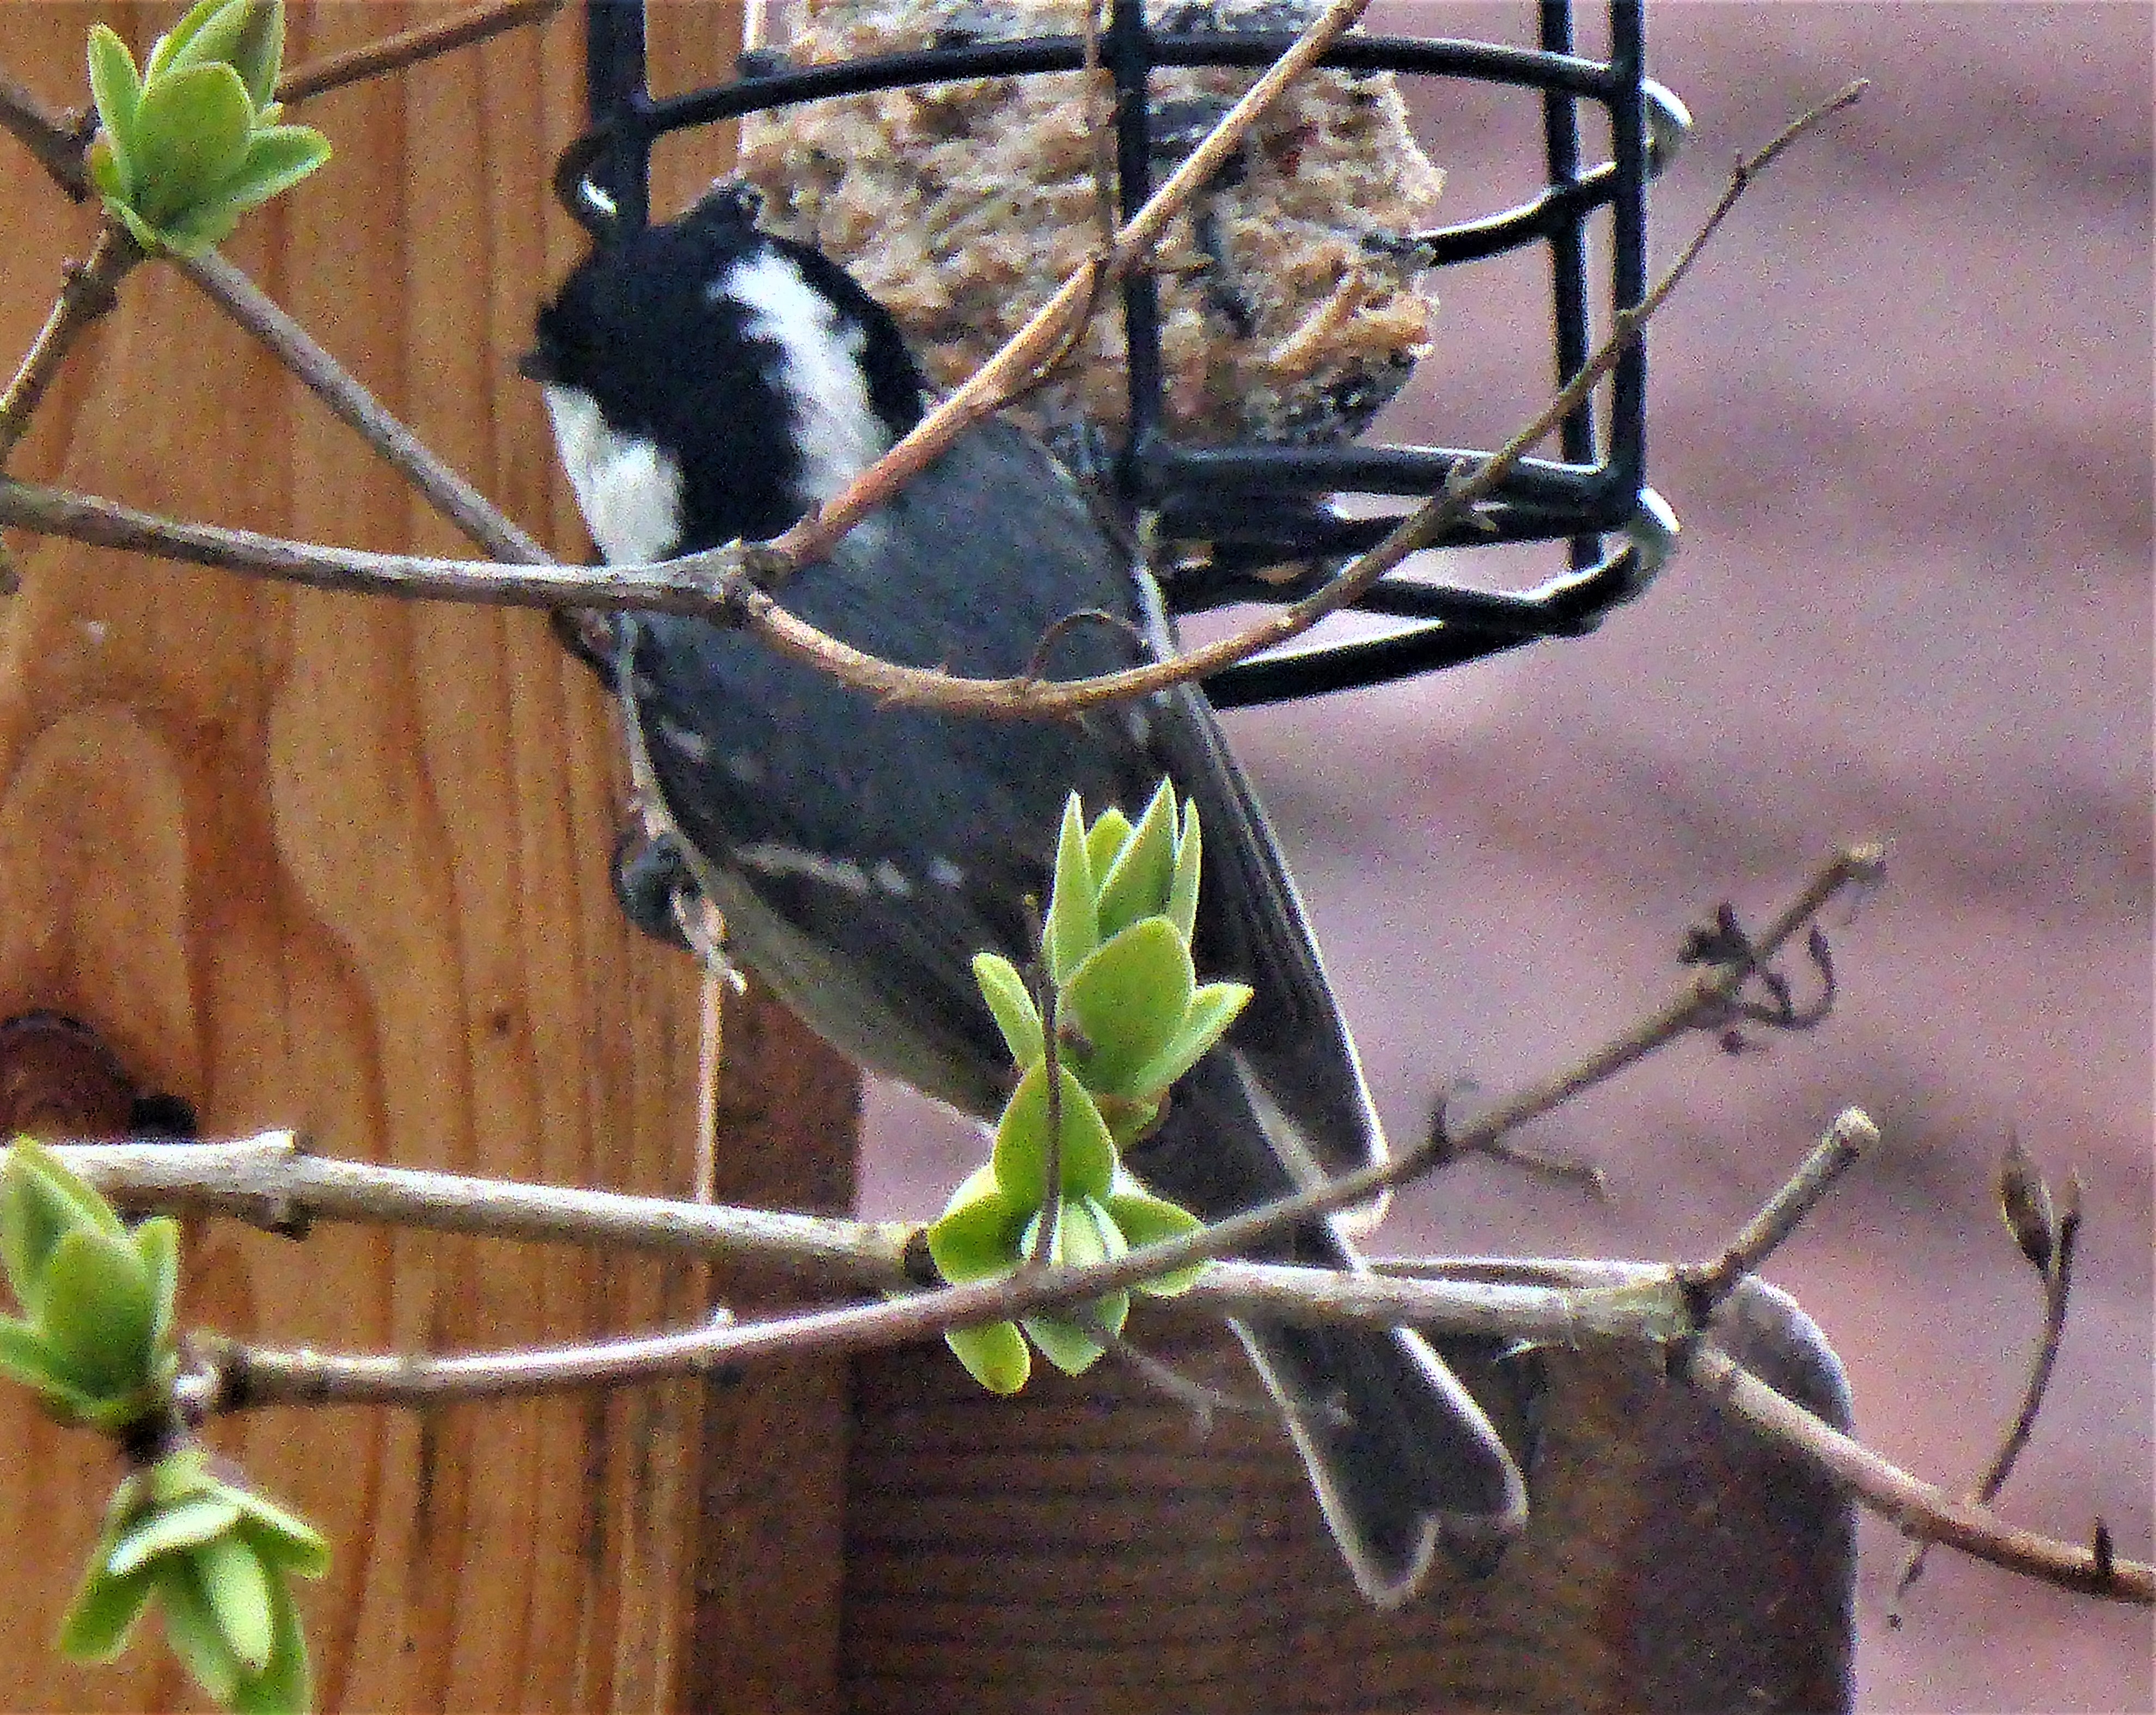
<point x="2056" y="1264"/>
<point x="2058" y="1286"/>
<point x="459" y="1204"/>
<point x="90" y="288"/>
<point x="107" y="524"/>
<point x="232" y="1377"/>
<point x="409" y="47"/>
<point x="1013" y="368"/>
<point x="59" y="144"/>
<point x="1634" y="1303"/>
<point x="277" y="1184"/>
<point x="462" y="1204"/>
<point x="1851" y="1135"/>
<point x="273" y="1181"/>
<point x="1653" y="1309"/>
<point x="1444" y="1149"/>
<point x="57" y="139"/>
<point x="1913" y="1506"/>
<point x="1202" y="1402"/>
<point x="457" y="500"/>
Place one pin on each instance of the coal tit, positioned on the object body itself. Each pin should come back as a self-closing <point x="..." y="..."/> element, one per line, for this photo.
<point x="709" y="381"/>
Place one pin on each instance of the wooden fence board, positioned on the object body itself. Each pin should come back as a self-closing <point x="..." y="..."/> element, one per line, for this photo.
<point x="339" y="863"/>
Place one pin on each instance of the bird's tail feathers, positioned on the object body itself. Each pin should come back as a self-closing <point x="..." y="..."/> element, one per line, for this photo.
<point x="1404" y="1461"/>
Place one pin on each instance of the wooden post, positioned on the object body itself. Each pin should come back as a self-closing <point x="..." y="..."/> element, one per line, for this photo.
<point x="341" y="863"/>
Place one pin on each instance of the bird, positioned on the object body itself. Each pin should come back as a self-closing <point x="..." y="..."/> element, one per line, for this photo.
<point x="708" y="381"/>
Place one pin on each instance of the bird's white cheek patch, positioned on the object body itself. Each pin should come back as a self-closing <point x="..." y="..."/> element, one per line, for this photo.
<point x="627" y="489"/>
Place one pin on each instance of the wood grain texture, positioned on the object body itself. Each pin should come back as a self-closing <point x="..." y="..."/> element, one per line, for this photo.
<point x="763" y="1628"/>
<point x="340" y="864"/>
<point x="1085" y="1550"/>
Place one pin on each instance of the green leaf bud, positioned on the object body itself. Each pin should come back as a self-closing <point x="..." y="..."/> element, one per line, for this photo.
<point x="1129" y="1000"/>
<point x="1104" y="840"/>
<point x="1213" y="1009"/>
<point x="103" y="1613"/>
<point x="277" y="157"/>
<point x="169" y="46"/>
<point x="191" y="1629"/>
<point x="1084" y="1235"/>
<point x="1138" y="885"/>
<point x="977" y="1235"/>
<point x="116" y="91"/>
<point x="1183" y="889"/>
<point x="1012" y="1003"/>
<point x="176" y="1529"/>
<point x="99" y="1319"/>
<point x="1144" y="1219"/>
<point x="1020" y="1158"/>
<point x="158" y="1244"/>
<point x="191" y="134"/>
<point x="287" y="1542"/>
<point x="286" y="1686"/>
<point x="994" y="1355"/>
<point x="1073" y="928"/>
<point x="238" y="1588"/>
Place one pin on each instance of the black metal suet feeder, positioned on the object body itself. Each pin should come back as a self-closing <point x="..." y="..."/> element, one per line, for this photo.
<point x="1260" y="505"/>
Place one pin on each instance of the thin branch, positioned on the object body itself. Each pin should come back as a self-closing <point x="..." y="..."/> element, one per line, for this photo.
<point x="257" y="1376"/>
<point x="1915" y="1506"/>
<point x="1851" y="1134"/>
<point x="927" y="689"/>
<point x="107" y="524"/>
<point x="88" y="290"/>
<point x="1012" y="369"/>
<point x="272" y="1181"/>
<point x="1444" y="1149"/>
<point x="2063" y="1233"/>
<point x="1584" y="1301"/>
<point x="57" y="139"/>
<point x="352" y="1190"/>
<point x="2058" y="1286"/>
<point x="1649" y="1304"/>
<point x="59" y="145"/>
<point x="456" y="499"/>
<point x="409" y="47"/>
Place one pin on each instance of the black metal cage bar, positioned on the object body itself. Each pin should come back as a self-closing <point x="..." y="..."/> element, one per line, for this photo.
<point x="1262" y="504"/>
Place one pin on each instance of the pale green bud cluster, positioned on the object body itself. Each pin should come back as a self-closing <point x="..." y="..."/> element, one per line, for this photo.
<point x="218" y="1559"/>
<point x="1130" y="1018"/>
<point x="190" y="143"/>
<point x="96" y="1341"/>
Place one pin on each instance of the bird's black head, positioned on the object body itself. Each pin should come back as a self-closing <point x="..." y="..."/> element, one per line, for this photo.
<point x="708" y="381"/>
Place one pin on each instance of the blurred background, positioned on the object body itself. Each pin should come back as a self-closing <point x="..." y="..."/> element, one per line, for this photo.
<point x="1903" y="411"/>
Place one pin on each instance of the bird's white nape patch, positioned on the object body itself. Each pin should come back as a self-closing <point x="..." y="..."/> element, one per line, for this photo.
<point x="835" y="424"/>
<point x="628" y="489"/>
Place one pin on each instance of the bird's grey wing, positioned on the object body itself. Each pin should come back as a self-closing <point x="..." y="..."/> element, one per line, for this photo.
<point x="863" y="853"/>
<point x="1291" y="1042"/>
<point x="867" y="927"/>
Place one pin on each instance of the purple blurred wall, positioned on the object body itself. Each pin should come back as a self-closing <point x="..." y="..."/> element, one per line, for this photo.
<point x="1903" y="409"/>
